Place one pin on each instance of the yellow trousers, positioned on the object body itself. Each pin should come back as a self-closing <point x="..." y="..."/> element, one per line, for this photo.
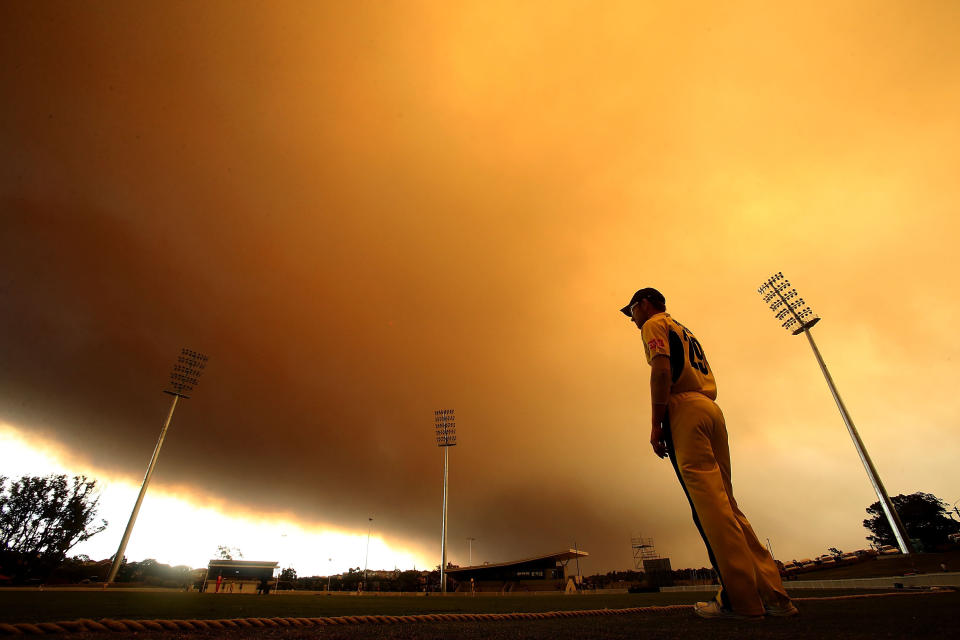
<point x="749" y="577"/>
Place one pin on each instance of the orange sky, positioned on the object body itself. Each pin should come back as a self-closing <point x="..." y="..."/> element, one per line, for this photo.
<point x="367" y="211"/>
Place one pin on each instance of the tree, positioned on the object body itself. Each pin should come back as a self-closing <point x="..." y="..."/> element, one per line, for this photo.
<point x="41" y="519"/>
<point x="74" y="570"/>
<point x="409" y="581"/>
<point x="351" y="579"/>
<point x="287" y="575"/>
<point x="153" y="573"/>
<point x="226" y="553"/>
<point x="923" y="516"/>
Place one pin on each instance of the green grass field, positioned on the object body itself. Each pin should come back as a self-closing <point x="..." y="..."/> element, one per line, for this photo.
<point x="910" y="615"/>
<point x="52" y="605"/>
<point x="896" y="565"/>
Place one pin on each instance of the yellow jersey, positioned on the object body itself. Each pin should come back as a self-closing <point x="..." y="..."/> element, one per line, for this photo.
<point x="689" y="370"/>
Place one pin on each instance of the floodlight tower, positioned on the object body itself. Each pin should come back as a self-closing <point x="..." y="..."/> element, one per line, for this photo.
<point x="185" y="375"/>
<point x="366" y="558"/>
<point x="795" y="316"/>
<point x="643" y="549"/>
<point x="446" y="429"/>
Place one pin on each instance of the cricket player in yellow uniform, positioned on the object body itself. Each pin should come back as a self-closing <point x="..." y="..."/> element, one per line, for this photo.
<point x="689" y="427"/>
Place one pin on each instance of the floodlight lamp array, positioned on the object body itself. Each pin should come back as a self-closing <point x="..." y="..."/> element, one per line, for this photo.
<point x="788" y="307"/>
<point x="186" y="372"/>
<point x="445" y="427"/>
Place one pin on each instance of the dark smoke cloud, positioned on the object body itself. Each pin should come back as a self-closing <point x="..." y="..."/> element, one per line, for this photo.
<point x="364" y="213"/>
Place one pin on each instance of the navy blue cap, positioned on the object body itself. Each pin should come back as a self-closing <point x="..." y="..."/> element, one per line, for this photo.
<point x="647" y="293"/>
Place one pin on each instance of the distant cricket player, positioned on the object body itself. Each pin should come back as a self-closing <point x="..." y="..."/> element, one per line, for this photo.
<point x="689" y="427"/>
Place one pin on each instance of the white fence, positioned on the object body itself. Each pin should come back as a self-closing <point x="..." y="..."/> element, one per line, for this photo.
<point x="951" y="579"/>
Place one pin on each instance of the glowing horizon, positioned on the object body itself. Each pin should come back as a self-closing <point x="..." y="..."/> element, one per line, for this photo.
<point x="305" y="546"/>
<point x="363" y="212"/>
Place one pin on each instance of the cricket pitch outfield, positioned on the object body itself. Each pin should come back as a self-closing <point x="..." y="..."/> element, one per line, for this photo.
<point x="907" y="614"/>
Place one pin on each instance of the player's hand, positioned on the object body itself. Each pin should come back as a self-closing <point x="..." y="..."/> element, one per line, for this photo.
<point x="657" y="441"/>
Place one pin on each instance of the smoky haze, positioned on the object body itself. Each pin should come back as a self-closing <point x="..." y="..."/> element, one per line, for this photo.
<point x="368" y="211"/>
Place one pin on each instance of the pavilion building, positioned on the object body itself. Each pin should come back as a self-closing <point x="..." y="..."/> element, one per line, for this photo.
<point x="550" y="572"/>
<point x="238" y="576"/>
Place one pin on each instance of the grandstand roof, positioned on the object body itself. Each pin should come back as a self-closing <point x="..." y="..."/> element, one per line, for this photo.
<point x="243" y="564"/>
<point x="569" y="554"/>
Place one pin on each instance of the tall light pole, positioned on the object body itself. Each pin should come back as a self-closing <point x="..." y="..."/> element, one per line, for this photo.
<point x="470" y="556"/>
<point x="185" y="375"/>
<point x="795" y="316"/>
<point x="446" y="430"/>
<point x="579" y="575"/>
<point x="367" y="556"/>
<point x="280" y="562"/>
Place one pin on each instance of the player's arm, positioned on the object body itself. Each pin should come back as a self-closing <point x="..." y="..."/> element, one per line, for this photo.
<point x="660" y="381"/>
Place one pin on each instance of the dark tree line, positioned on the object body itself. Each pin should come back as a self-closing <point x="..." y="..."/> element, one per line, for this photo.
<point x="41" y="519"/>
<point x="406" y="581"/>
<point x="155" y="574"/>
<point x="924" y="516"/>
<point x="149" y="572"/>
